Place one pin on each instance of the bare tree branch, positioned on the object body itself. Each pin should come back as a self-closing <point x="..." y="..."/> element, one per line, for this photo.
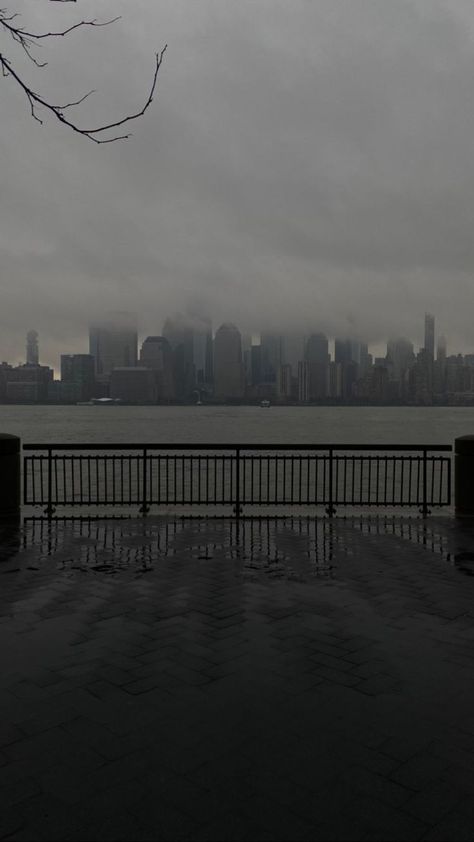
<point x="29" y="40"/>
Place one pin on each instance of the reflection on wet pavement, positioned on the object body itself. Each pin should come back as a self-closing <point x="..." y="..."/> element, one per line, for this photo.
<point x="292" y="548"/>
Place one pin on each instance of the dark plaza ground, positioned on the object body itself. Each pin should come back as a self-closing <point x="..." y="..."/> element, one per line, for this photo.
<point x="264" y="680"/>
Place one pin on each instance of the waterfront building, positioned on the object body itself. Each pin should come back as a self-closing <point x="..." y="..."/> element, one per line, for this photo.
<point x="156" y="354"/>
<point x="335" y="380"/>
<point x="285" y="383"/>
<point x="113" y="343"/>
<point x="133" y="385"/>
<point x="28" y="383"/>
<point x="379" y="389"/>
<point x="180" y="334"/>
<point x="77" y="377"/>
<point x="272" y="358"/>
<point x="256" y="365"/>
<point x="228" y="369"/>
<point x="303" y="381"/>
<point x="420" y="379"/>
<point x="4" y="368"/>
<point x="202" y="352"/>
<point x="400" y="355"/>
<point x="292" y="350"/>
<point x="317" y="358"/>
<point x="439" y="372"/>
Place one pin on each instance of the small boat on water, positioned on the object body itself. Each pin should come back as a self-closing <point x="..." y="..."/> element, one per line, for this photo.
<point x="264" y="404"/>
<point x="106" y="401"/>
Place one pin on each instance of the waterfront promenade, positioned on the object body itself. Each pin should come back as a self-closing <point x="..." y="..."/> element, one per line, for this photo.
<point x="256" y="680"/>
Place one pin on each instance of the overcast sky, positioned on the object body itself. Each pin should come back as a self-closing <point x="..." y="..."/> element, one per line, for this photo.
<point x="306" y="163"/>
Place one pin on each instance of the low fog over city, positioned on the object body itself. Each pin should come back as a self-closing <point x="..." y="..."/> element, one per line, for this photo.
<point x="305" y="166"/>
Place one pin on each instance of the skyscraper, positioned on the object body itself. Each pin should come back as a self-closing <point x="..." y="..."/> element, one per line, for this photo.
<point x="400" y="356"/>
<point x="180" y="335"/>
<point x="429" y="335"/>
<point x="32" y="351"/>
<point x="202" y="351"/>
<point x="113" y="342"/>
<point x="317" y="357"/>
<point x="157" y="355"/>
<point x="272" y="358"/>
<point x="228" y="370"/>
<point x="441" y="349"/>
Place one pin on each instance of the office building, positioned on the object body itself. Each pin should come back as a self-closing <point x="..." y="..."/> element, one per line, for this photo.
<point x="400" y="357"/>
<point x="228" y="368"/>
<point x="303" y="381"/>
<point x="285" y="383"/>
<point x="28" y="383"/>
<point x="180" y="334"/>
<point x="113" y="342"/>
<point x="272" y="359"/>
<point x="156" y="354"/>
<point x="202" y="352"/>
<point x="77" y="377"/>
<point x="133" y="385"/>
<point x="32" y="349"/>
<point x="317" y="358"/>
<point x="255" y="365"/>
<point x="429" y="346"/>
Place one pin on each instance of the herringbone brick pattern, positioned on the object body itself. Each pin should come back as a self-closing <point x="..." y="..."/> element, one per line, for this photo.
<point x="268" y="680"/>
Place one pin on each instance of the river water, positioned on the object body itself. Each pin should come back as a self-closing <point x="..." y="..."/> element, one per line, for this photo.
<point x="239" y="424"/>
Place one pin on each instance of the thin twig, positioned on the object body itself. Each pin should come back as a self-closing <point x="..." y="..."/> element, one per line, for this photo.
<point x="94" y="134"/>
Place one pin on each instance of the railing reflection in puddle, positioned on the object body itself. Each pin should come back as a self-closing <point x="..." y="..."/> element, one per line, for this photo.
<point x="295" y="548"/>
<point x="291" y="548"/>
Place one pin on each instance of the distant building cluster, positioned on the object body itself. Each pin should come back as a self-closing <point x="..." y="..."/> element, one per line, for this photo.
<point x="188" y="363"/>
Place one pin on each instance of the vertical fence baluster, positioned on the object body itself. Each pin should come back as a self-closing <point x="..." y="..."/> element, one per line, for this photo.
<point x="424" y="509"/>
<point x="237" y="508"/>
<point x="330" y="507"/>
<point x="144" y="508"/>
<point x="50" y="507"/>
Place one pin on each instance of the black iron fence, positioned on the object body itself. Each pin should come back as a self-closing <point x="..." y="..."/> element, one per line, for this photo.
<point x="251" y="475"/>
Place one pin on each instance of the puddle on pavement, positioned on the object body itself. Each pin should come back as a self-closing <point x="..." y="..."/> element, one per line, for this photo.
<point x="295" y="549"/>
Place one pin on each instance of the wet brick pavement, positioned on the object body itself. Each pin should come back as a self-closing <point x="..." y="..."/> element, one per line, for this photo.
<point x="267" y="680"/>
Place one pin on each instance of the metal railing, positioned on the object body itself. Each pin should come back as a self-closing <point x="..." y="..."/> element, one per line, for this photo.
<point x="237" y="475"/>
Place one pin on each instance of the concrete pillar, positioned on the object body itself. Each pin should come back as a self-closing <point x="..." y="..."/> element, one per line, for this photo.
<point x="10" y="474"/>
<point x="464" y="476"/>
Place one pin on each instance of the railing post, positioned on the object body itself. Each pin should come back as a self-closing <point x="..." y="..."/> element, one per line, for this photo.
<point x="10" y="474"/>
<point x="237" y="508"/>
<point x="49" y="507"/>
<point x="464" y="476"/>
<point x="330" y="510"/>
<point x="144" y="508"/>
<point x="424" y="509"/>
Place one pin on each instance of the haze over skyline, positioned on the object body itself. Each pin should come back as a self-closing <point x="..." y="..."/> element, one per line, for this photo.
<point x="305" y="165"/>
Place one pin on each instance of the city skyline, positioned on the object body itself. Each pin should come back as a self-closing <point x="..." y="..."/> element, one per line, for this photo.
<point x="81" y="345"/>
<point x="191" y="363"/>
<point x="304" y="158"/>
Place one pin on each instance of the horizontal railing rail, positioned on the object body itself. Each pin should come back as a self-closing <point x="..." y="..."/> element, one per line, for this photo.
<point x="237" y="475"/>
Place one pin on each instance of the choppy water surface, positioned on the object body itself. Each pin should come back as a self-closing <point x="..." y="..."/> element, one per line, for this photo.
<point x="276" y="425"/>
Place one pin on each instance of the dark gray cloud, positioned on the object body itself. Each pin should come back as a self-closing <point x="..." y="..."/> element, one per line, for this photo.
<point x="306" y="164"/>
